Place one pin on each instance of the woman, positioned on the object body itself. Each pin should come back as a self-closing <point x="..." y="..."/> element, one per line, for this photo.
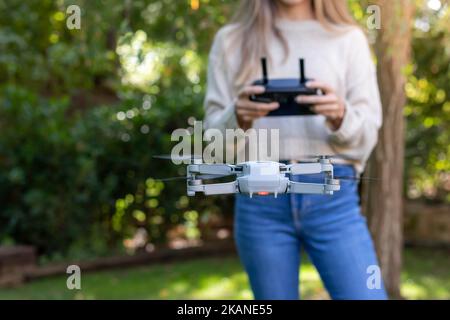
<point x="270" y="231"/>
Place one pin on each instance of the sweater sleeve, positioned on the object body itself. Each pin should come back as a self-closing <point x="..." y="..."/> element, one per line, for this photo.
<point x="358" y="133"/>
<point x="219" y="102"/>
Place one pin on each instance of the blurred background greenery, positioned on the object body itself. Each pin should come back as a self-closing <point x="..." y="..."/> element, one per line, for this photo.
<point x="82" y="112"/>
<point x="223" y="278"/>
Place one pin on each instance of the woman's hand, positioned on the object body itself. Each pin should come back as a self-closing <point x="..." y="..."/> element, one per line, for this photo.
<point x="247" y="111"/>
<point x="329" y="104"/>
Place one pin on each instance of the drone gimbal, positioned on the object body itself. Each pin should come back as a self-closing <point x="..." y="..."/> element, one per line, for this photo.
<point x="262" y="178"/>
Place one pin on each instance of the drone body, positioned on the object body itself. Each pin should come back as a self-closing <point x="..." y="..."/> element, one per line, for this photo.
<point x="262" y="178"/>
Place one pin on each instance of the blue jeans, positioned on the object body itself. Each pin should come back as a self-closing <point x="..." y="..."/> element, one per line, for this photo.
<point x="270" y="232"/>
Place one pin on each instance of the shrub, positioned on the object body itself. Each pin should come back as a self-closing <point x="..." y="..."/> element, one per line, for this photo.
<point x="84" y="183"/>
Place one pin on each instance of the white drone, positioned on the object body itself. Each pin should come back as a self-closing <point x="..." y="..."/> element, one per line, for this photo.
<point x="259" y="177"/>
<point x="262" y="178"/>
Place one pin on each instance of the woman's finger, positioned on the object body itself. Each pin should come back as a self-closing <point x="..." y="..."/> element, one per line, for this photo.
<point x="249" y="105"/>
<point x="327" y="99"/>
<point x="251" y="113"/>
<point x="314" y="84"/>
<point x="326" y="108"/>
<point x="251" y="90"/>
<point x="256" y="113"/>
<point x="332" y="111"/>
<point x="251" y="116"/>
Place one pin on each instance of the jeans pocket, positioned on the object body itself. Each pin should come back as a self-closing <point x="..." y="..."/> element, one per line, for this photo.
<point x="344" y="200"/>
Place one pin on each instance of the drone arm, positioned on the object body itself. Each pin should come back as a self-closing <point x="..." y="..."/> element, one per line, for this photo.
<point x="305" y="168"/>
<point x="212" y="189"/>
<point x="219" y="169"/>
<point x="310" y="168"/>
<point x="313" y="188"/>
<point x="307" y="188"/>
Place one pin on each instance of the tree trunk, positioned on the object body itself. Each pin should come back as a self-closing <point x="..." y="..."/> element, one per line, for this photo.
<point x="383" y="201"/>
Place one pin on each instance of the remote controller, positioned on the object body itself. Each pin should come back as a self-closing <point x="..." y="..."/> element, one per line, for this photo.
<point x="284" y="91"/>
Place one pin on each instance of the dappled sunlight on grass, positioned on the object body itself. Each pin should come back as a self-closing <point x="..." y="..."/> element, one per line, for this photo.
<point x="425" y="276"/>
<point x="412" y="290"/>
<point x="232" y="287"/>
<point x="310" y="284"/>
<point x="426" y="287"/>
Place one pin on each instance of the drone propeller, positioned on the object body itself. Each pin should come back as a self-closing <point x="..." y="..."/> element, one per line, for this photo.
<point x="191" y="157"/>
<point x="351" y="178"/>
<point x="197" y="177"/>
<point x="310" y="158"/>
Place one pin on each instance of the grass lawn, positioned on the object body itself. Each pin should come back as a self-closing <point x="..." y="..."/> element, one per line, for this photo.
<point x="426" y="276"/>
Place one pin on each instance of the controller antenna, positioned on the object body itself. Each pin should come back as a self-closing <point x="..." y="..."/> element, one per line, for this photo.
<point x="302" y="71"/>
<point x="264" y="70"/>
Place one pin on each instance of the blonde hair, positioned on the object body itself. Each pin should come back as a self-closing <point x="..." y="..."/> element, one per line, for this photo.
<point x="255" y="20"/>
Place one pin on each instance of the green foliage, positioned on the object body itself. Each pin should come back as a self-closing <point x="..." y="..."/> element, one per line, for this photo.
<point x="425" y="276"/>
<point x="78" y="179"/>
<point x="38" y="50"/>
<point x="75" y="183"/>
<point x="67" y="178"/>
<point x="428" y="109"/>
